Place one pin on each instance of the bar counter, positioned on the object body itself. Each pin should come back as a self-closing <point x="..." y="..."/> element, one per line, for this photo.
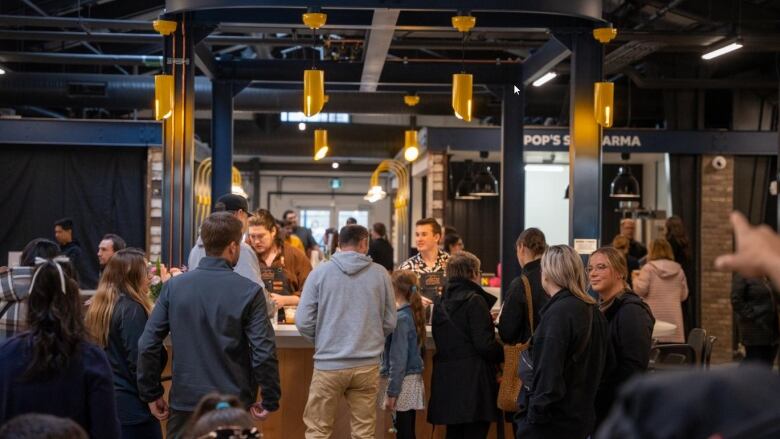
<point x="295" y="370"/>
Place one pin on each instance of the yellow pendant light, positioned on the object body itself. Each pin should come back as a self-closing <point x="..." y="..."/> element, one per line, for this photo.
<point x="462" y="100"/>
<point x="320" y="144"/>
<point x="462" y="83"/>
<point x="313" y="80"/>
<point x="411" y="148"/>
<point x="604" y="103"/>
<point x="163" y="96"/>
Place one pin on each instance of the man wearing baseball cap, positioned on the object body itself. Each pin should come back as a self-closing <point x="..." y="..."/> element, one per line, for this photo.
<point x="247" y="264"/>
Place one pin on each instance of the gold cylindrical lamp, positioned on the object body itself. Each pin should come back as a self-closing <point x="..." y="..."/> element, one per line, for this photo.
<point x="320" y="144"/>
<point x="313" y="91"/>
<point x="604" y="103"/>
<point x="411" y="148"/>
<point x="163" y="96"/>
<point x="462" y="102"/>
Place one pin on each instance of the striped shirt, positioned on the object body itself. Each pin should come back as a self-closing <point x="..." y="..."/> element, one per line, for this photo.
<point x="14" y="288"/>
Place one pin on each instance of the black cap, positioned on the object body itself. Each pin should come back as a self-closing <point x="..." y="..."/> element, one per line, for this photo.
<point x="233" y="203"/>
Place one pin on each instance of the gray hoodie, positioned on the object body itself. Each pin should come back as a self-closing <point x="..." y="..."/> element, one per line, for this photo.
<point x="347" y="309"/>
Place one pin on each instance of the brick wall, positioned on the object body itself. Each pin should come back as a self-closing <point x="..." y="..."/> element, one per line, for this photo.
<point x="717" y="201"/>
<point x="436" y="178"/>
<point x="154" y="203"/>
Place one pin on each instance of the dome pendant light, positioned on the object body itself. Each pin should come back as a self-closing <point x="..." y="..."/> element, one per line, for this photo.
<point x="463" y="191"/>
<point x="320" y="144"/>
<point x="462" y="83"/>
<point x="313" y="79"/>
<point x="624" y="185"/>
<point x="485" y="185"/>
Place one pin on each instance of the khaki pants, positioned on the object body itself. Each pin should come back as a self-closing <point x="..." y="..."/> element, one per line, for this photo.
<point x="358" y="385"/>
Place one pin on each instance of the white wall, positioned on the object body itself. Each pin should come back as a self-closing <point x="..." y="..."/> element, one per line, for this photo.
<point x="545" y="207"/>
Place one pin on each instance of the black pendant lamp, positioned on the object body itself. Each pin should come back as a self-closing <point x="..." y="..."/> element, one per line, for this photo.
<point x="485" y="185"/>
<point x="466" y="184"/>
<point x="624" y="185"/>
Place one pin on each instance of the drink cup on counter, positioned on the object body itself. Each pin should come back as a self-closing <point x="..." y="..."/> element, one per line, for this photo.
<point x="289" y="314"/>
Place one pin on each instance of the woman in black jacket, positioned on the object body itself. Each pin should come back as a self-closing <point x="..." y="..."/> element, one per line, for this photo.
<point x="463" y="383"/>
<point x="755" y="303"/>
<point x="568" y="354"/>
<point x="630" y="324"/>
<point x="115" y="321"/>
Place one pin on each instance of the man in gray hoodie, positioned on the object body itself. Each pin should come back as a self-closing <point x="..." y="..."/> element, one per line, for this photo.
<point x="347" y="309"/>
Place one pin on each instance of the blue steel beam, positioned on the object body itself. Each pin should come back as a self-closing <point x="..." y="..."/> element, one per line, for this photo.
<point x="81" y="132"/>
<point x="221" y="139"/>
<point x="512" y="181"/>
<point x="544" y="59"/>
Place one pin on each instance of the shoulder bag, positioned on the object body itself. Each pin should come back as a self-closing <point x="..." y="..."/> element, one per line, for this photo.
<point x="509" y="388"/>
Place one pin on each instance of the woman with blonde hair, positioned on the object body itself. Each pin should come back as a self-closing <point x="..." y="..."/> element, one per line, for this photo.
<point x="663" y="286"/>
<point x="115" y="321"/>
<point x="562" y="371"/>
<point x="630" y="324"/>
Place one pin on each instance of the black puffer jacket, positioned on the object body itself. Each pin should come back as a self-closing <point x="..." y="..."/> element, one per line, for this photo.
<point x="752" y="300"/>
<point x="566" y="376"/>
<point x="630" y="337"/>
<point x="463" y="383"/>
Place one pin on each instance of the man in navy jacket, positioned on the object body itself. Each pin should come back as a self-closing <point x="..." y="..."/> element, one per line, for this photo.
<point x="220" y="333"/>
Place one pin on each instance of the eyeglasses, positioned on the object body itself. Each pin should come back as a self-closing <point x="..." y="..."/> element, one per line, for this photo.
<point x="597" y="267"/>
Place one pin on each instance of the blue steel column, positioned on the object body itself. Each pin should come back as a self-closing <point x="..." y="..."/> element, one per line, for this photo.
<point x="178" y="147"/>
<point x="585" y="147"/>
<point x="221" y="138"/>
<point x="512" y="180"/>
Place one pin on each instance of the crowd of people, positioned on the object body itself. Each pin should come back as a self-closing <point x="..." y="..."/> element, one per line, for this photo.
<point x="577" y="331"/>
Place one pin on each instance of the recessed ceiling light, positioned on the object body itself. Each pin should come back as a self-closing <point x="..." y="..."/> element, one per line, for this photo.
<point x="302" y="126"/>
<point x="544" y="79"/>
<point x="335" y="165"/>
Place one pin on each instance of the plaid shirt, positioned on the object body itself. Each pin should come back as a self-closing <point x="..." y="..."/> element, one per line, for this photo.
<point x="417" y="265"/>
<point x="14" y="288"/>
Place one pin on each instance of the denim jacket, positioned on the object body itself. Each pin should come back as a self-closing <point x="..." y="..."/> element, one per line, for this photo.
<point x="402" y="355"/>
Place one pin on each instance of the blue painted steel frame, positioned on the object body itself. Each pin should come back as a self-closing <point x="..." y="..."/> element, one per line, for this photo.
<point x="512" y="181"/>
<point x="81" y="132"/>
<point x="221" y="139"/>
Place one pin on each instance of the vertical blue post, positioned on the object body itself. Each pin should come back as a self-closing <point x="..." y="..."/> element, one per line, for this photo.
<point x="221" y="138"/>
<point x="512" y="179"/>
<point x="585" y="148"/>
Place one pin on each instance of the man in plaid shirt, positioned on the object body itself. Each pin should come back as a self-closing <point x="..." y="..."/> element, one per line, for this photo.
<point x="15" y="286"/>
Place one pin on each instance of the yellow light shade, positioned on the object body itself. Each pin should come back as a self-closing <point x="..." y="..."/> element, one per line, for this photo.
<point x="411" y="148"/>
<point x="604" y="103"/>
<point x="164" y="27"/>
<point x="314" y="20"/>
<point x="462" y="95"/>
<point x="464" y="23"/>
<point x="411" y="100"/>
<point x="313" y="92"/>
<point x="163" y="96"/>
<point x="604" y="34"/>
<point x="320" y="144"/>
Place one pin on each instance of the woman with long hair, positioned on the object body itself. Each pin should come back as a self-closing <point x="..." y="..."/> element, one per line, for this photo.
<point x="561" y="374"/>
<point x="283" y="268"/>
<point x="630" y="324"/>
<point x="52" y="368"/>
<point x="662" y="284"/>
<point x="115" y="321"/>
<point x="402" y="362"/>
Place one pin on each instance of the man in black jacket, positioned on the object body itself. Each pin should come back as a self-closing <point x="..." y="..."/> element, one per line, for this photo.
<point x="220" y="333"/>
<point x="379" y="248"/>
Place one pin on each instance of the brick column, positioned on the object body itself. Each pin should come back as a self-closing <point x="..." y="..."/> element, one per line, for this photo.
<point x="717" y="201"/>
<point x="436" y="179"/>
<point x="154" y="203"/>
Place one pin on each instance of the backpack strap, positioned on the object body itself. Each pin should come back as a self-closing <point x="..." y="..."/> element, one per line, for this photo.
<point x="530" y="301"/>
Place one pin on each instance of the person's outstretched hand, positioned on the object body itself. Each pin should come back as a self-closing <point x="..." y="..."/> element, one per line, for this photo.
<point x="757" y="251"/>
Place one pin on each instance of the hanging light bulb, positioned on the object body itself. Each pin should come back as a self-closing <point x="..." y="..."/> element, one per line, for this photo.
<point x="462" y="95"/>
<point x="411" y="148"/>
<point x="320" y="144"/>
<point x="163" y="96"/>
<point x="485" y="185"/>
<point x="624" y="185"/>
<point x="604" y="103"/>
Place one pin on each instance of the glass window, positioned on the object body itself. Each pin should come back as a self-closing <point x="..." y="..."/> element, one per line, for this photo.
<point x="360" y="215"/>
<point x="317" y="220"/>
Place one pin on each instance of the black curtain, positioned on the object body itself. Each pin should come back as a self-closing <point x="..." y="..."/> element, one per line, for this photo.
<point x="752" y="175"/>
<point x="685" y="182"/>
<point x="102" y="189"/>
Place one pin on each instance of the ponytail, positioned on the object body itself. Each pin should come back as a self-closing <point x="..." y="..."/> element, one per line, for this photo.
<point x="405" y="282"/>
